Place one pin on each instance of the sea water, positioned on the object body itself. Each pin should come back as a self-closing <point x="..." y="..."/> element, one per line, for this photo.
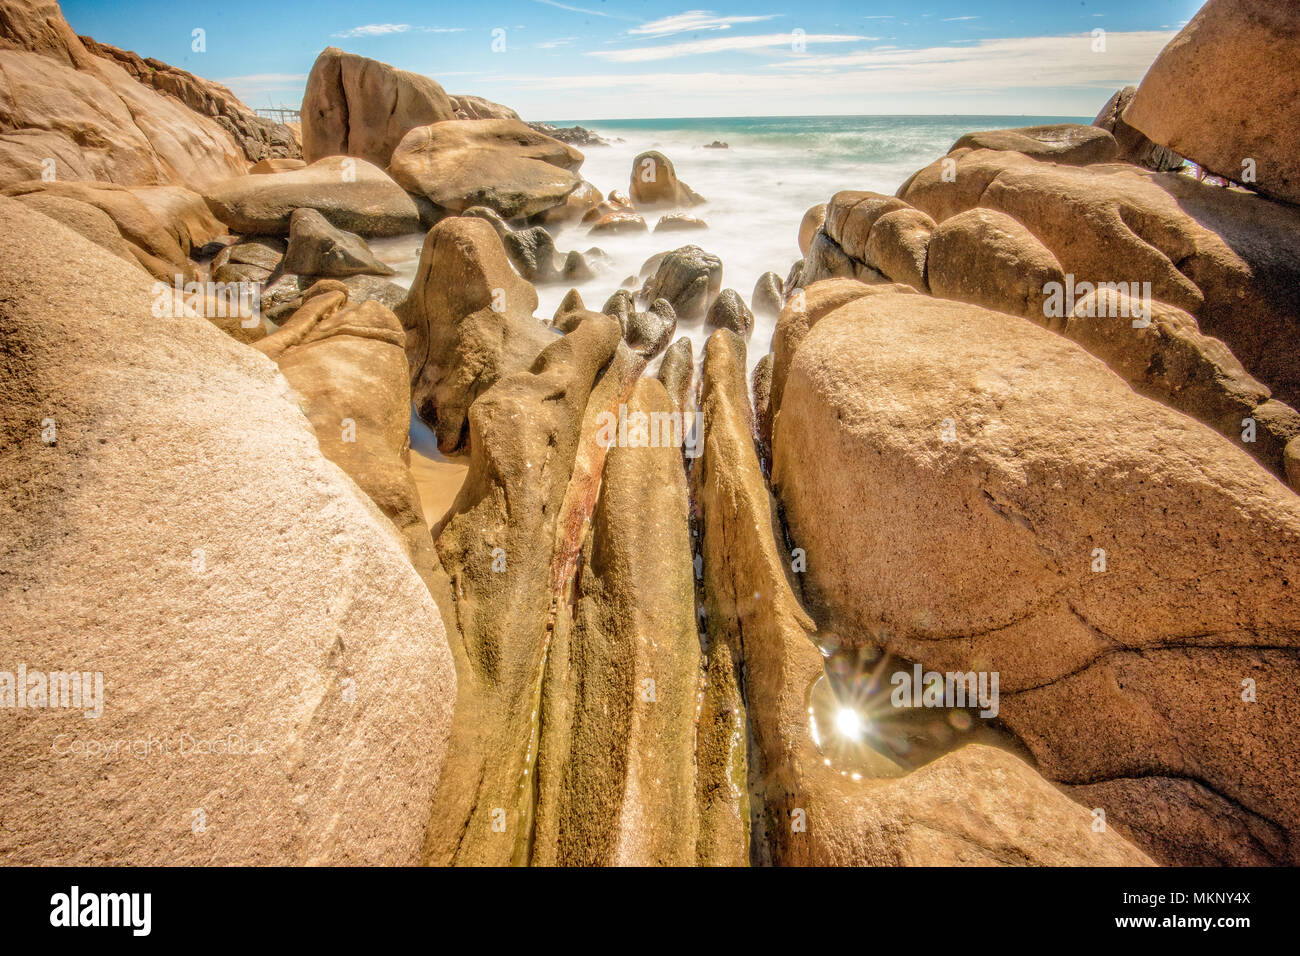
<point x="757" y="190"/>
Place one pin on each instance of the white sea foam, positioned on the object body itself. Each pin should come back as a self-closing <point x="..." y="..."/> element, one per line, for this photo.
<point x="757" y="190"/>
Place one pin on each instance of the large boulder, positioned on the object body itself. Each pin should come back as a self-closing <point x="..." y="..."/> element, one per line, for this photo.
<point x="1134" y="146"/>
<point x="1073" y="144"/>
<point x="317" y="248"/>
<point x="920" y="440"/>
<point x="354" y="106"/>
<point x="469" y="322"/>
<point x="1225" y="93"/>
<point x="1227" y="257"/>
<point x="195" y="541"/>
<point x="987" y="258"/>
<point x="184" y="213"/>
<point x="898" y="247"/>
<point x="351" y="193"/>
<point x="156" y="243"/>
<point x="90" y="222"/>
<point x="498" y="163"/>
<point x="67" y="113"/>
<point x="977" y="806"/>
<point x="347" y="361"/>
<point x="654" y="182"/>
<point x="689" y="278"/>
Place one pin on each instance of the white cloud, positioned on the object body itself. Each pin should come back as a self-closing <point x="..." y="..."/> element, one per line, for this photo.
<point x="388" y="29"/>
<point x="374" y="30"/>
<point x="1024" y="75"/>
<point x="693" y="20"/>
<point x="1048" y="61"/>
<point x="565" y="6"/>
<point x="670" y="51"/>
<point x="956" y="19"/>
<point x="552" y="44"/>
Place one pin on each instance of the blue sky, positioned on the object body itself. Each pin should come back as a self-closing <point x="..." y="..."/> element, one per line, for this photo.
<point x="607" y="59"/>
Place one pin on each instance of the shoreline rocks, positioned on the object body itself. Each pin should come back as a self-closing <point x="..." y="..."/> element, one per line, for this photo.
<point x="147" y="580"/>
<point x="350" y="193"/>
<point x="1201" y="98"/>
<point x="498" y="163"/>
<point x="74" y="115"/>
<point x="1114" y="650"/>
<point x="342" y="113"/>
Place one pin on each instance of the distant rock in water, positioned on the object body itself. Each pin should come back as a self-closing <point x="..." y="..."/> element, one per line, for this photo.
<point x="679" y="222"/>
<point x="573" y="135"/>
<point x="654" y="182"/>
<point x="717" y="144"/>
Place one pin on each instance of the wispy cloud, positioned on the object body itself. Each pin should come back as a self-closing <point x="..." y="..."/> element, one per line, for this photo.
<point x="571" y="9"/>
<point x="1044" y="61"/>
<point x="1019" y="63"/>
<point x="693" y="20"/>
<point x="767" y="41"/>
<point x="558" y="42"/>
<point x="956" y="19"/>
<point x="388" y="29"/>
<point x="375" y="30"/>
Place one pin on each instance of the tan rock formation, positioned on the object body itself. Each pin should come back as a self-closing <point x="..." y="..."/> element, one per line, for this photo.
<point x="354" y="106"/>
<point x="469" y="322"/>
<point x="68" y="114"/>
<point x="349" y="192"/>
<point x="498" y="163"/>
<point x="235" y="641"/>
<point x="1204" y="96"/>
<point x="989" y="475"/>
<point x="654" y="182"/>
<point x="1073" y="144"/>
<point x="348" y="364"/>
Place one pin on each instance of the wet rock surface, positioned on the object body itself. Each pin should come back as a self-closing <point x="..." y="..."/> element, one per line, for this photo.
<point x="688" y="278"/>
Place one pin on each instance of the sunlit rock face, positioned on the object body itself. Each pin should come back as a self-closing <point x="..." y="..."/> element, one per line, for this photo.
<point x="1202" y="96"/>
<point x="273" y="667"/>
<point x="960" y="506"/>
<point x="75" y="115"/>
